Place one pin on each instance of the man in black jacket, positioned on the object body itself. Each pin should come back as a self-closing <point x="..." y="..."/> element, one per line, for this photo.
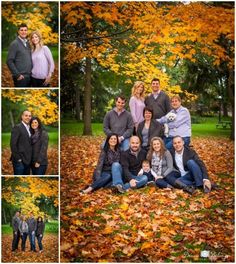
<point x="19" y="59"/>
<point x="16" y="232"/>
<point x="131" y="162"/>
<point x="21" y="148"/>
<point x="32" y="226"/>
<point x="192" y="169"/>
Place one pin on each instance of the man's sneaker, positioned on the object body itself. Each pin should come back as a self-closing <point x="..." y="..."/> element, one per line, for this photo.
<point x="119" y="188"/>
<point x="151" y="183"/>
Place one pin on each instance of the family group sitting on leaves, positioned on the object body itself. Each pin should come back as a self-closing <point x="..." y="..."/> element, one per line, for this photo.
<point x="149" y="145"/>
<point x="31" y="227"/>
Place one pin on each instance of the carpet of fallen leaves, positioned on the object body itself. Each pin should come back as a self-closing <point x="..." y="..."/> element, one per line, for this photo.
<point x="52" y="169"/>
<point x="145" y="225"/>
<point x="49" y="254"/>
<point x="7" y="80"/>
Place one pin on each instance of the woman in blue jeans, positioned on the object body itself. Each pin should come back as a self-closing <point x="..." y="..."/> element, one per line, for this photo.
<point x="107" y="164"/>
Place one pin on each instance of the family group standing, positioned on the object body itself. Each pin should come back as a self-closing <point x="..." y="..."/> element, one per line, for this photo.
<point x="149" y="145"/>
<point x="29" y="61"/>
<point x="23" y="227"/>
<point x="29" y="144"/>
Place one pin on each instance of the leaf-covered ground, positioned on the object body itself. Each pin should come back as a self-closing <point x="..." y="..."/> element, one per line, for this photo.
<point x="8" y="82"/>
<point x="49" y="254"/>
<point x="52" y="169"/>
<point x="145" y="225"/>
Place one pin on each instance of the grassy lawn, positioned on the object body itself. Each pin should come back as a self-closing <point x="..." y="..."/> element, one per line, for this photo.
<point x="53" y="49"/>
<point x="50" y="227"/>
<point x="53" y="139"/>
<point x="206" y="128"/>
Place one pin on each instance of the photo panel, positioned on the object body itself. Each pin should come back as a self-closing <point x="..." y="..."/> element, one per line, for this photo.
<point x="30" y="131"/>
<point x="30" y="44"/>
<point x="30" y="219"/>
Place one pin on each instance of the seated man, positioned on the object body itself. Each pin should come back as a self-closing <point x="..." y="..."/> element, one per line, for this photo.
<point x="131" y="162"/>
<point x="192" y="169"/>
<point x="120" y="122"/>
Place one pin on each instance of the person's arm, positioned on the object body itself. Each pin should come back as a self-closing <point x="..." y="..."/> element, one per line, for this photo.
<point x="51" y="68"/>
<point x="11" y="59"/>
<point x="106" y="124"/>
<point x="98" y="170"/>
<point x="132" y="106"/>
<point x="169" y="162"/>
<point x="15" y="134"/>
<point x="130" y="127"/>
<point x="125" y="165"/>
<point x="183" y="116"/>
<point x="43" y="148"/>
<point x="140" y="172"/>
<point x="167" y="104"/>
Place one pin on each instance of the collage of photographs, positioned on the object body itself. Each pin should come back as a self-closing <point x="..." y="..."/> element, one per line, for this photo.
<point x="117" y="131"/>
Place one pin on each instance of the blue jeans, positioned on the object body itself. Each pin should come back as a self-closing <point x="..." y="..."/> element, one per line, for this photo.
<point x="117" y="179"/>
<point x="39" y="238"/>
<point x="169" y="142"/>
<point x="168" y="180"/>
<point x="23" y="238"/>
<point x="20" y="168"/>
<point x="194" y="175"/>
<point x="41" y="170"/>
<point x="124" y="145"/>
<point x="106" y="177"/>
<point x="32" y="240"/>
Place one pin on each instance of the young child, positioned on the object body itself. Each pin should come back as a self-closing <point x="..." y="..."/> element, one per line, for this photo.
<point x="146" y="170"/>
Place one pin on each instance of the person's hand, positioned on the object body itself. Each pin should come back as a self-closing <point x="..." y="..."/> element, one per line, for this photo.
<point x="133" y="183"/>
<point x="158" y="177"/>
<point x="36" y="165"/>
<point x="40" y="235"/>
<point x="21" y="77"/>
<point x="47" y="81"/>
<point x="33" y="232"/>
<point x="15" y="233"/>
<point x="121" y="138"/>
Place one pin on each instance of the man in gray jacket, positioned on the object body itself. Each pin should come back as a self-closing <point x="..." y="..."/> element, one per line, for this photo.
<point x="32" y="226"/>
<point x="16" y="232"/>
<point x="19" y="58"/>
<point x="120" y="122"/>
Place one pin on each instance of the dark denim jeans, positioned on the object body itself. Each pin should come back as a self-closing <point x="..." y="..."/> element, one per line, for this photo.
<point x="169" y="141"/>
<point x="23" y="241"/>
<point x="20" y="168"/>
<point x="41" y="170"/>
<point x="32" y="240"/>
<point x="22" y="83"/>
<point x="194" y="176"/>
<point x="40" y="238"/>
<point x="15" y="241"/>
<point x="169" y="179"/>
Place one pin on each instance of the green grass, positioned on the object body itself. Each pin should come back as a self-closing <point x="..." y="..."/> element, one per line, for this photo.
<point x="53" y="139"/>
<point x="54" y="50"/>
<point x="206" y="128"/>
<point x="50" y="228"/>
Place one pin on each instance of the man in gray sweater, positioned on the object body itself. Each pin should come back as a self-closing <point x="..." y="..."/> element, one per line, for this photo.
<point x="159" y="101"/>
<point x="19" y="58"/>
<point x="16" y="232"/>
<point x="120" y="122"/>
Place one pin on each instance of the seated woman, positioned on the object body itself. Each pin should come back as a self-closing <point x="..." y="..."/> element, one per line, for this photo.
<point x="108" y="164"/>
<point x="148" y="128"/>
<point x="162" y="164"/>
<point x="181" y="125"/>
<point x="43" y="64"/>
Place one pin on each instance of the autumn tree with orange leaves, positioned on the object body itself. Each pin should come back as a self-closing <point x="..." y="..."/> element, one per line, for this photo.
<point x="145" y="39"/>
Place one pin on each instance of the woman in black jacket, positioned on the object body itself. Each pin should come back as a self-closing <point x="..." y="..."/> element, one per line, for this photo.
<point x="39" y="141"/>
<point x="108" y="163"/>
<point x="39" y="232"/>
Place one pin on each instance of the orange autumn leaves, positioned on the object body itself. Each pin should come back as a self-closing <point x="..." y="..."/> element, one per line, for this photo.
<point x="146" y="225"/>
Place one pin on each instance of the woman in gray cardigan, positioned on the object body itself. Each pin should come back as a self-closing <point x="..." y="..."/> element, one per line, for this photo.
<point x="39" y="141"/>
<point x="162" y="164"/>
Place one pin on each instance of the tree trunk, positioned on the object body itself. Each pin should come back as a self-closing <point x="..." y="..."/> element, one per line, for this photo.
<point x="225" y="109"/>
<point x="87" y="98"/>
<point x="231" y="99"/>
<point x="4" y="216"/>
<point x="11" y="119"/>
<point x="77" y="103"/>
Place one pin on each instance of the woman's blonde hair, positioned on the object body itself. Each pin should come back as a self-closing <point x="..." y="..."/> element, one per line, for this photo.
<point x="39" y="36"/>
<point x="151" y="150"/>
<point x="176" y="97"/>
<point x="134" y="89"/>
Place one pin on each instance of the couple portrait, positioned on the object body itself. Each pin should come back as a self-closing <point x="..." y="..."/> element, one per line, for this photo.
<point x="29" y="219"/>
<point x="30" y="132"/>
<point x="30" y="51"/>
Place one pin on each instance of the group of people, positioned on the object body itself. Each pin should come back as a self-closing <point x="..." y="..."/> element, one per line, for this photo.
<point x="23" y="227"/>
<point x="29" y="144"/>
<point x="149" y="145"/>
<point x="30" y="62"/>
